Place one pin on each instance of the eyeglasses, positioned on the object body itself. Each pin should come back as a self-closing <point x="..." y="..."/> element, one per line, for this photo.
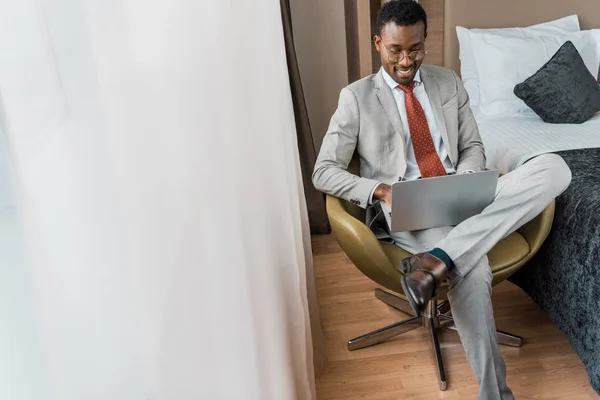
<point x="396" y="57"/>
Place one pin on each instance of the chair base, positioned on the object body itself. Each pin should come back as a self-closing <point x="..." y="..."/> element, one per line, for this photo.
<point x="434" y="318"/>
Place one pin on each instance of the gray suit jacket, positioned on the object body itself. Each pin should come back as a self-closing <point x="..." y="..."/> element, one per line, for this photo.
<point x="367" y="122"/>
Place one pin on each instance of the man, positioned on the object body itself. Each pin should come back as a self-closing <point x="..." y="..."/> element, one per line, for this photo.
<point x="410" y="121"/>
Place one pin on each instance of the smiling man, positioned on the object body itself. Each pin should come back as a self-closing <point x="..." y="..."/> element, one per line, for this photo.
<point x="399" y="40"/>
<point x="410" y="121"/>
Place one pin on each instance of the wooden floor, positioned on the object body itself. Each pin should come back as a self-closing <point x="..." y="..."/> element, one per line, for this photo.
<point x="546" y="367"/>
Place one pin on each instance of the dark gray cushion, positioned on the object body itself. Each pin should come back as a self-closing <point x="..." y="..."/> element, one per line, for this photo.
<point x="563" y="91"/>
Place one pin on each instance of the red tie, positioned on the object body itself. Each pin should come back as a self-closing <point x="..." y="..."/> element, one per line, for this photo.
<point x="428" y="159"/>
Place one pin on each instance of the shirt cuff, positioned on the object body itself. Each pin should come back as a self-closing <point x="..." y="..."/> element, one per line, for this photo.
<point x="371" y="199"/>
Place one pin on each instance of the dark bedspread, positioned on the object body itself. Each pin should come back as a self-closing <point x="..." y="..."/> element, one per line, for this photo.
<point x="563" y="278"/>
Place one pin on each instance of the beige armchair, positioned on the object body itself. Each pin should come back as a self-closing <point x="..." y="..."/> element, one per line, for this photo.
<point x="381" y="263"/>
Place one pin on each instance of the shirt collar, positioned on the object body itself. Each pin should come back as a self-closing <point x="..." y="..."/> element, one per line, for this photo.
<point x="393" y="84"/>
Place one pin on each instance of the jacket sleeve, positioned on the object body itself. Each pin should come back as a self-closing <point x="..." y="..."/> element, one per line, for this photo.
<point x="471" y="153"/>
<point x="339" y="144"/>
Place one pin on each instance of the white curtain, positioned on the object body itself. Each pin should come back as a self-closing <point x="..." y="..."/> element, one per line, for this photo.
<point x="164" y="230"/>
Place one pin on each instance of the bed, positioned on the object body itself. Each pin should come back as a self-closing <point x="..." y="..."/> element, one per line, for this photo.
<point x="510" y="141"/>
<point x="564" y="277"/>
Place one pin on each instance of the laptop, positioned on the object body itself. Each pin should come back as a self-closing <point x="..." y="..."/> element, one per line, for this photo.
<point x="440" y="201"/>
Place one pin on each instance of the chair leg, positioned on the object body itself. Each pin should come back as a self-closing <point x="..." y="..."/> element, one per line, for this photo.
<point x="446" y="322"/>
<point x="444" y="307"/>
<point x="437" y="353"/>
<point x="504" y="338"/>
<point x="383" y="334"/>
<point x="508" y="339"/>
<point x="394" y="301"/>
<point x="433" y="319"/>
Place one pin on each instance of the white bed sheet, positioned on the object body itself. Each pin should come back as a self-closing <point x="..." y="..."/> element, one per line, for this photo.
<point x="511" y="140"/>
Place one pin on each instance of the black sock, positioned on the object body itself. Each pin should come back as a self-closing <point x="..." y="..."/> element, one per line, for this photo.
<point x="442" y="255"/>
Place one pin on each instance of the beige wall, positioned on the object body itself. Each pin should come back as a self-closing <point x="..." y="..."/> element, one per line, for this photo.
<point x="320" y="41"/>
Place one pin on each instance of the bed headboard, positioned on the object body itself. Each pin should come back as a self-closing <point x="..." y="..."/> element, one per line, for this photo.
<point x="509" y="13"/>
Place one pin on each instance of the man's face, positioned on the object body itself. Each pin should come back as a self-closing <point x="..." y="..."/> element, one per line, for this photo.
<point x="396" y="39"/>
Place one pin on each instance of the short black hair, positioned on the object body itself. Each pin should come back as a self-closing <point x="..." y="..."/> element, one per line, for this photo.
<point x="402" y="13"/>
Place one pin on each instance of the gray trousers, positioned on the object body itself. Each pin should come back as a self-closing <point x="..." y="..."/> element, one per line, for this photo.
<point x="520" y="196"/>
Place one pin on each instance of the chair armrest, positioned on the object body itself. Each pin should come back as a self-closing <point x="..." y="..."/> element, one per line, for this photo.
<point x="360" y="243"/>
<point x="538" y="229"/>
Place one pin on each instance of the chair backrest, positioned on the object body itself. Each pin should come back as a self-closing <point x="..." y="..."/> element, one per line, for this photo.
<point x="361" y="246"/>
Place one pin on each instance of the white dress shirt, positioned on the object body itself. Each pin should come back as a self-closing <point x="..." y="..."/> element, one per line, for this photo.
<point x="412" y="168"/>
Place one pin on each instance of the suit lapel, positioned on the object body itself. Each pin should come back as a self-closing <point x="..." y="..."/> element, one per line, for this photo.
<point x="386" y="98"/>
<point x="433" y="92"/>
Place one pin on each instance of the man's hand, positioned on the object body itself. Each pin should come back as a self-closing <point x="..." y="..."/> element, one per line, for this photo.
<point x="384" y="192"/>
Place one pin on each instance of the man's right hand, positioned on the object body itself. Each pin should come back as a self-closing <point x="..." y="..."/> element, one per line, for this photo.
<point x="384" y="193"/>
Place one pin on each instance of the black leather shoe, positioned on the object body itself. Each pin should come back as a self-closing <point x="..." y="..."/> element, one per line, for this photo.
<point x="424" y="273"/>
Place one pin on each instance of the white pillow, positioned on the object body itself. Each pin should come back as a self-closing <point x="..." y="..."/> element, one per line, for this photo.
<point x="468" y="69"/>
<point x="505" y="62"/>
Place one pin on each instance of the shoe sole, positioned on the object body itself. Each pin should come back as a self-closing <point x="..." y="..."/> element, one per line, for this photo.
<point x="409" y="297"/>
